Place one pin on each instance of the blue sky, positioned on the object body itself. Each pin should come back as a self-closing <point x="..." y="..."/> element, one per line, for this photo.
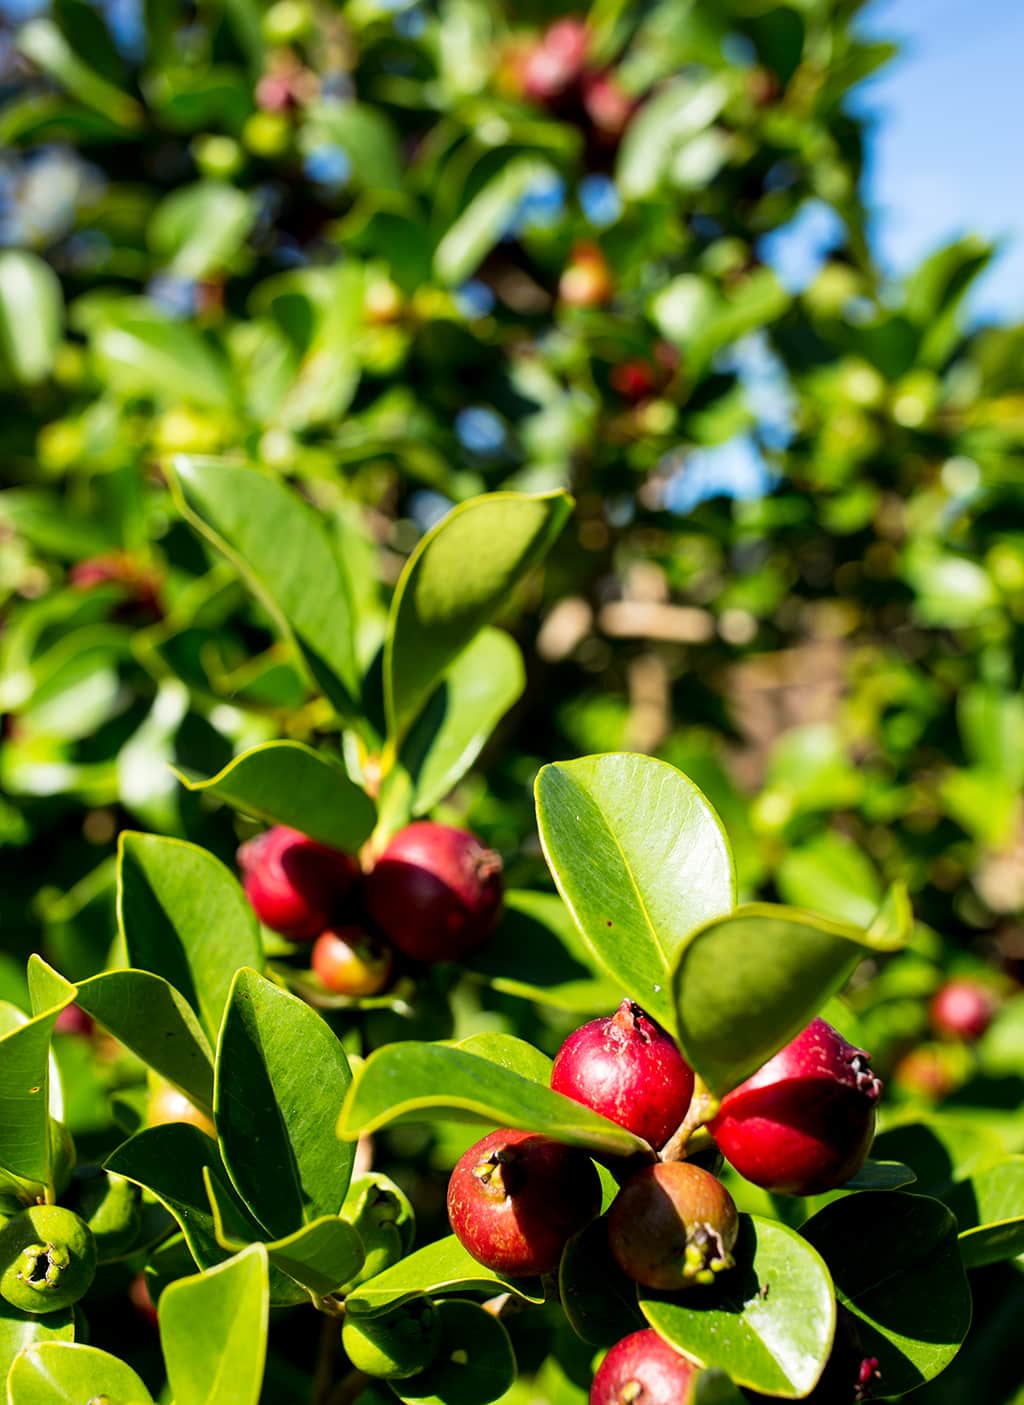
<point x="947" y="153"/>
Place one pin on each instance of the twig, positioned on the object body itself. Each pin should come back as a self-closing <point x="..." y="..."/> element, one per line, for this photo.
<point x="703" y="1106"/>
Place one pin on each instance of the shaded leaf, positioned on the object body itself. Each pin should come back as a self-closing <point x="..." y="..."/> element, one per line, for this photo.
<point x="474" y="1362"/>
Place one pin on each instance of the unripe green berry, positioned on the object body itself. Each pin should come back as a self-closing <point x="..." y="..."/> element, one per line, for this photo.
<point x="396" y="1345"/>
<point x="48" y="1259"/>
<point x="383" y="1218"/>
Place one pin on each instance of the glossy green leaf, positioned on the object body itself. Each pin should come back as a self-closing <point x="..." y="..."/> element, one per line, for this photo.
<point x="481" y="224"/>
<point x="656" y="138"/>
<point x="42" y="42"/>
<point x="942" y="1150"/>
<point x="234" y="1228"/>
<point x="456" y="581"/>
<point x="640" y="858"/>
<point x="462" y="712"/>
<point x="321" y="1256"/>
<point x="510" y="1052"/>
<point x="64" y="1373"/>
<point x="537" y="953"/>
<point x="768" y="1322"/>
<point x="474" y="1362"/>
<point x="289" y="783"/>
<point x="284" y="552"/>
<point x="881" y="1175"/>
<point x="157" y="1024"/>
<point x="213" y="1330"/>
<point x="831" y="875"/>
<point x="282" y="1076"/>
<point x="746" y="984"/>
<point x="171" y="1161"/>
<point x="896" y="1267"/>
<point x="989" y="1210"/>
<point x="31" y="315"/>
<point x="24" y="1329"/>
<point x="442" y="1267"/>
<point x="199" y="229"/>
<point x="413" y="1082"/>
<point x="183" y="916"/>
<point x="597" y="1297"/>
<point x="25" y="1075"/>
<point x="142" y="354"/>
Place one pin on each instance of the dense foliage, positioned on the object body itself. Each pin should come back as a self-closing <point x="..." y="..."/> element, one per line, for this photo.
<point x="282" y="285"/>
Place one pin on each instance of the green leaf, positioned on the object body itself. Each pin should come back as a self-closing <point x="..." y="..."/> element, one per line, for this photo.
<point x="989" y="1209"/>
<point x="832" y="875"/>
<point x="25" y="1143"/>
<point x="455" y="582"/>
<point x="213" y="1330"/>
<point x="413" y="1082"/>
<point x="156" y="1023"/>
<point x="282" y="549"/>
<point x="474" y="1362"/>
<point x="768" y="1322"/>
<point x="942" y="1150"/>
<point x="171" y="1161"/>
<point x="881" y="1175"/>
<point x="199" y="229"/>
<point x="678" y="114"/>
<point x="476" y="230"/>
<point x="367" y="136"/>
<point x="896" y="1267"/>
<point x="31" y="315"/>
<point x="19" y="1330"/>
<point x="64" y="1373"/>
<point x="290" y="783"/>
<point x="640" y="858"/>
<point x="183" y="916"/>
<point x="598" y="1299"/>
<point x="462" y="712"/>
<point x="715" y="1388"/>
<point x="42" y="42"/>
<point x="442" y="1267"/>
<point x="142" y="354"/>
<point x="538" y="954"/>
<point x="512" y="1053"/>
<point x="748" y="983"/>
<point x="282" y="1076"/>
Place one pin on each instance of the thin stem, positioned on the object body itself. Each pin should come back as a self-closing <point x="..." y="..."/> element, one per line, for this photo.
<point x="349" y="1388"/>
<point x="703" y="1106"/>
<point x="326" y="1356"/>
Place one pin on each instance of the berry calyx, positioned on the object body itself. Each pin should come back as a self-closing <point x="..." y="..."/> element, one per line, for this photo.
<point x="629" y="1069"/>
<point x="803" y="1123"/>
<point x="643" y="1369"/>
<point x="515" y="1199"/>
<point x="295" y="885"/>
<point x="395" y="1345"/>
<point x="435" y="892"/>
<point x="962" y="1009"/>
<point x="48" y="1259"/>
<point x="673" y="1225"/>
<point x="351" y="962"/>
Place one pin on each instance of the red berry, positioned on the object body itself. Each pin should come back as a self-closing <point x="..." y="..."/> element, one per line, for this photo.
<point x="633" y="380"/>
<point x="803" y="1123"/>
<point x="643" y="1369"/>
<point x="673" y="1225"/>
<point x="627" y="1068"/>
<point x="962" y="1009"/>
<point x="606" y="104"/>
<point x="294" y="883"/>
<point x="73" y="1020"/>
<point x="435" y="892"/>
<point x="515" y="1199"/>
<point x="351" y="962"/>
<point x="555" y="63"/>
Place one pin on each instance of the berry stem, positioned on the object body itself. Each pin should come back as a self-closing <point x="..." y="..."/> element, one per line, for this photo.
<point x="703" y="1106"/>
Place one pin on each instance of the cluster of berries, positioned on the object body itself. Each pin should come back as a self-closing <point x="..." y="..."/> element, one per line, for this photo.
<point x="433" y="895"/>
<point x="802" y="1124"/>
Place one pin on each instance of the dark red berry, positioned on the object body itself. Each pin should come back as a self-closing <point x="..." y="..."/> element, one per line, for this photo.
<point x="627" y="1068"/>
<point x="515" y="1199"/>
<point x="643" y="1369"/>
<point x="295" y="885"/>
<point x="633" y="380"/>
<point x="351" y="962"/>
<point x="435" y="892"/>
<point x="803" y="1123"/>
<point x="962" y="1009"/>
<point x="673" y="1225"/>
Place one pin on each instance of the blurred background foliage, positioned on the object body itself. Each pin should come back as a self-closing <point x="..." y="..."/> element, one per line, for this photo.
<point x="403" y="253"/>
